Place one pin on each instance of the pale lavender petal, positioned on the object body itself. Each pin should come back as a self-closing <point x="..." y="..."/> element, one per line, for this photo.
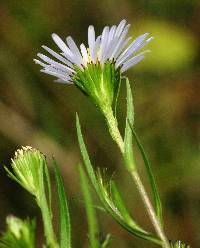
<point x="52" y="62"/>
<point x="120" y="27"/>
<point x="39" y="63"/>
<point x="104" y="39"/>
<point x="84" y="54"/>
<point x="132" y="48"/>
<point x="73" y="47"/>
<point x="120" y="42"/>
<point x="96" y="47"/>
<point x="58" y="56"/>
<point x="133" y="61"/>
<point x="60" y="43"/>
<point x="91" y="42"/>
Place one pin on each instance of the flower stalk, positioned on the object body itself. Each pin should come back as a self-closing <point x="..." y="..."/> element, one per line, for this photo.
<point x="113" y="128"/>
<point x="116" y="136"/>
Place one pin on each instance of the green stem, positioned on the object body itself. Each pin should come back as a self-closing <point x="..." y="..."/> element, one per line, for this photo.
<point x="150" y="209"/>
<point x="45" y="210"/>
<point x="48" y="228"/>
<point x="116" y="136"/>
<point x="113" y="128"/>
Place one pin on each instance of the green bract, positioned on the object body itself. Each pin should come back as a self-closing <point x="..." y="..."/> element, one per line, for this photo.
<point x="100" y="82"/>
<point x="26" y="168"/>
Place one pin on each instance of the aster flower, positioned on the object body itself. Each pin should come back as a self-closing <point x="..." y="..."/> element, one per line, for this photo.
<point x="95" y="69"/>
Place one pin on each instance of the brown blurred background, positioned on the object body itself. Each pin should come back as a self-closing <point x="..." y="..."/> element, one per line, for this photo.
<point x="37" y="112"/>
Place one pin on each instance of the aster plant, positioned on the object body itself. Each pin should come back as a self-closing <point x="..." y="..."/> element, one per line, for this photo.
<point x="97" y="70"/>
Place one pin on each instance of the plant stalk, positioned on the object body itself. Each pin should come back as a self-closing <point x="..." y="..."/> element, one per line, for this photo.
<point x="116" y="136"/>
<point x="48" y="228"/>
<point x="150" y="210"/>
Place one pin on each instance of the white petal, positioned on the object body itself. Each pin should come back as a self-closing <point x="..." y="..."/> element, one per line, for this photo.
<point x="52" y="62"/>
<point x="123" y="45"/>
<point x="54" y="73"/>
<point x="62" y="45"/>
<point x="73" y="47"/>
<point x="40" y="63"/>
<point x="58" y="70"/>
<point x="110" y="43"/>
<point x="96" y="47"/>
<point x="103" y="45"/>
<point x="111" y="33"/>
<point x="62" y="81"/>
<point x="132" y="48"/>
<point x="66" y="51"/>
<point x="84" y="54"/>
<point x="112" y="47"/>
<point x="133" y="61"/>
<point x="119" y="44"/>
<point x="120" y="28"/>
<point x="138" y="47"/>
<point x="58" y="56"/>
<point x="91" y="42"/>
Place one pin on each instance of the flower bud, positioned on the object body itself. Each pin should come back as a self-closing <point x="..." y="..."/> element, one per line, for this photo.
<point x="26" y="167"/>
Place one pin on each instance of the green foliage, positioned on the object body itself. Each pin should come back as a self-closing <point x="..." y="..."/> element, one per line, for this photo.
<point x="64" y="220"/>
<point x="90" y="211"/>
<point x="128" y="151"/>
<point x="46" y="209"/>
<point x="156" y="197"/>
<point x="19" y="233"/>
<point x="128" y="146"/>
<point x="103" y="189"/>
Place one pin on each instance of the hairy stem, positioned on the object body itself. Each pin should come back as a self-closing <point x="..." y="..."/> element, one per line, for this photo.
<point x="113" y="128"/>
<point x="116" y="136"/>
<point x="150" y="209"/>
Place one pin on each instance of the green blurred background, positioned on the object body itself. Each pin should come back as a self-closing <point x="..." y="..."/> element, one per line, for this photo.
<point x="37" y="112"/>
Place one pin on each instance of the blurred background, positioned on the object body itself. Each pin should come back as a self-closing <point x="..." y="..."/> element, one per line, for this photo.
<point x="37" y="112"/>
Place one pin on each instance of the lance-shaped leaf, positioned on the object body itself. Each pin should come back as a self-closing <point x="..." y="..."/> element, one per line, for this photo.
<point x="90" y="211"/>
<point x="102" y="187"/>
<point x="128" y="146"/>
<point x="64" y="218"/>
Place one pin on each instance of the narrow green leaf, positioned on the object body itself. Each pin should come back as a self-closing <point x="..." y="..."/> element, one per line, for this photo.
<point x="121" y="206"/>
<point x="156" y="197"/>
<point x="85" y="156"/>
<point x="90" y="211"/>
<point x="117" y="86"/>
<point x="64" y="220"/>
<point x="104" y="197"/>
<point x="128" y="149"/>
<point x="46" y="213"/>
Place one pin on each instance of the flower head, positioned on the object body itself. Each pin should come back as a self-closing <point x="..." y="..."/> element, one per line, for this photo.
<point x="26" y="167"/>
<point x="95" y="69"/>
